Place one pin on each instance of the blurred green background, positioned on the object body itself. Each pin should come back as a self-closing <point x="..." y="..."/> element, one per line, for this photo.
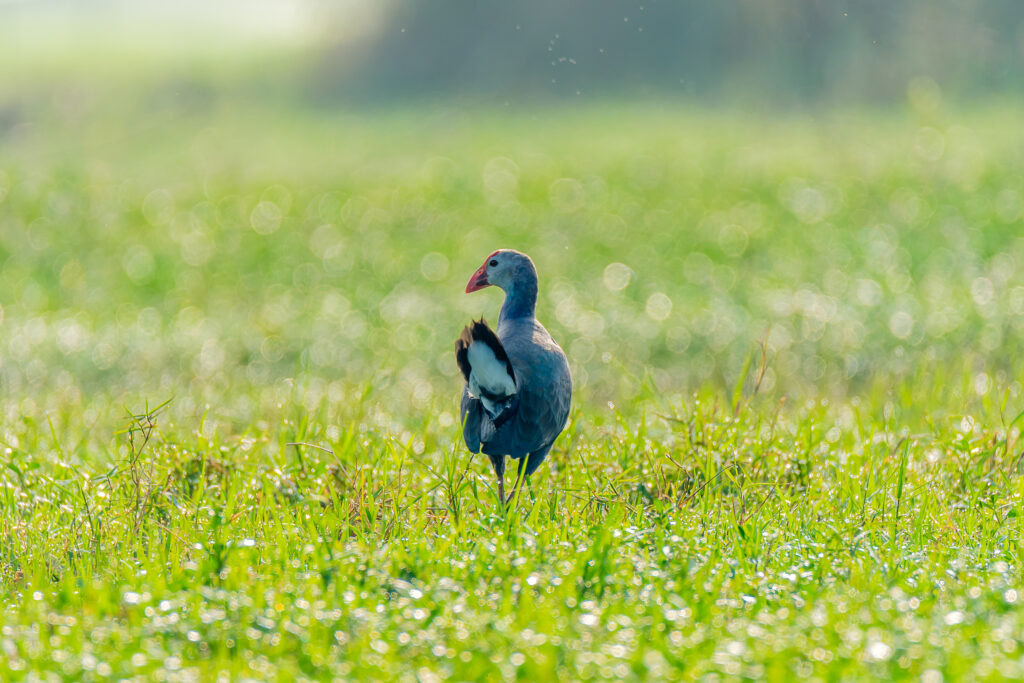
<point x="207" y="202"/>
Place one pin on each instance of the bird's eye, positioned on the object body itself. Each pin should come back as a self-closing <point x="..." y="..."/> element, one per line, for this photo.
<point x="493" y="262"/>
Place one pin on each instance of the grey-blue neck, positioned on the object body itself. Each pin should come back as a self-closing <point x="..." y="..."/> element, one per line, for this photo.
<point x="520" y="297"/>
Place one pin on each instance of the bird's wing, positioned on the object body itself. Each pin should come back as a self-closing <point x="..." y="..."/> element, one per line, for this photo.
<point x="543" y="411"/>
<point x="545" y="388"/>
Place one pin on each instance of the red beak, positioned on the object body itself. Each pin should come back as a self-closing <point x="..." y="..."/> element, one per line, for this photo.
<point x="479" y="279"/>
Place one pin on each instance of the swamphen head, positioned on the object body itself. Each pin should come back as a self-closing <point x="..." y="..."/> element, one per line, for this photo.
<point x="507" y="269"/>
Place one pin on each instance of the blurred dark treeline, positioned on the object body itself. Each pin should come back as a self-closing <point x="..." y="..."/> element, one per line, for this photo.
<point x="774" y="50"/>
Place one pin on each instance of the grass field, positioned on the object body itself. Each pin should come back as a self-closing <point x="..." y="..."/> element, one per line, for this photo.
<point x="794" y="449"/>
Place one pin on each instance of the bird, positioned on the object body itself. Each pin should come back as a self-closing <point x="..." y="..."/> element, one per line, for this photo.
<point x="518" y="387"/>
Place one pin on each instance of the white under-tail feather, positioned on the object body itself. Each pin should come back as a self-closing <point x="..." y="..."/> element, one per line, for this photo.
<point x="489" y="376"/>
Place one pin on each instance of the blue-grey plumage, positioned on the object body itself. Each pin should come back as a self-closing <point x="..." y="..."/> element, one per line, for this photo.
<point x="543" y="386"/>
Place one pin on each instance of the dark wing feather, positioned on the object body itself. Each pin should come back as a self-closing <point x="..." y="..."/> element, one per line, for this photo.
<point x="462" y="352"/>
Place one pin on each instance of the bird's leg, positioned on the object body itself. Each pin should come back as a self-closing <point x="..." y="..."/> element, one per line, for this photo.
<point x="498" y="463"/>
<point x="519" y="481"/>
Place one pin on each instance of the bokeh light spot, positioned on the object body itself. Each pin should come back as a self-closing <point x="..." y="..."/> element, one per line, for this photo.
<point x="434" y="266"/>
<point x="265" y="218"/>
<point x="659" y="306"/>
<point x="617" y="276"/>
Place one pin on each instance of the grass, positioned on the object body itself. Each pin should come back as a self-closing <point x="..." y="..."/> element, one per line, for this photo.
<point x="229" y="402"/>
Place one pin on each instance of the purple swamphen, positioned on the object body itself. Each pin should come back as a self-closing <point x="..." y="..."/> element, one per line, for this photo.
<point x="518" y="388"/>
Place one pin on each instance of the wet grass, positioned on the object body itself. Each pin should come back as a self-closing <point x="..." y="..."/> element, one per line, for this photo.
<point x="229" y="400"/>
